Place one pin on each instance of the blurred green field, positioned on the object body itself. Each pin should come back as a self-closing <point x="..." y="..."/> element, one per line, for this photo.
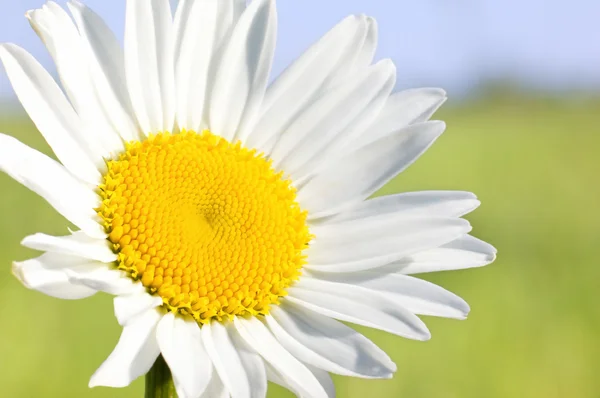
<point x="534" y="327"/>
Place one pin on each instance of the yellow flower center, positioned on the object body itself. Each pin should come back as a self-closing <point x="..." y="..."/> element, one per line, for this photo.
<point x="207" y="225"/>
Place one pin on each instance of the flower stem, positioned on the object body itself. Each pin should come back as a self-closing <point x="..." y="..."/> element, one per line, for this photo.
<point x="159" y="383"/>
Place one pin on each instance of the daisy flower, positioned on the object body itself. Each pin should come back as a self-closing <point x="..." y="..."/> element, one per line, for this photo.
<point x="231" y="218"/>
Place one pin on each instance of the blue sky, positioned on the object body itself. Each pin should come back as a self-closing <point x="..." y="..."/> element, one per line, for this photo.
<point x="454" y="44"/>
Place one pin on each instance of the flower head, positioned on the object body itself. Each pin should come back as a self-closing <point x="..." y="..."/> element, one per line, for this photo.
<point x="231" y="218"/>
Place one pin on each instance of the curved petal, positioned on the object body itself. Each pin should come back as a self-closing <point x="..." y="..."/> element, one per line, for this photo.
<point x="327" y="344"/>
<point x="180" y="343"/>
<point x="46" y="274"/>
<point x="107" y="280"/>
<point x="200" y="27"/>
<point x="129" y="307"/>
<point x="106" y="61"/>
<point x="357" y="305"/>
<point x="464" y="252"/>
<point x="411" y="204"/>
<point x="401" y="110"/>
<point x="302" y="81"/>
<point x="332" y="118"/>
<point x="44" y="176"/>
<point x="244" y="71"/>
<point x="51" y="112"/>
<point x="56" y="29"/>
<point x="368" y="243"/>
<point x="149" y="63"/>
<point x="254" y="366"/>
<point x="134" y="354"/>
<point x="416" y="295"/>
<point x="215" y="388"/>
<point x="258" y="336"/>
<point x="353" y="178"/>
<point x="74" y="245"/>
<point x="225" y="359"/>
<point x="322" y="377"/>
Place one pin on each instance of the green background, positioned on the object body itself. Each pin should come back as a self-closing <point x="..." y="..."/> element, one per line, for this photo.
<point x="535" y="320"/>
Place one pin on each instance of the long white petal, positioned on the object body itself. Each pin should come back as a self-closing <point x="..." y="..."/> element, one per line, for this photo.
<point x="46" y="274"/>
<point x="134" y="354"/>
<point x="225" y="359"/>
<point x="302" y="81"/>
<point x="130" y="306"/>
<point x="357" y="305"/>
<point x="105" y="57"/>
<point x="59" y="33"/>
<point x="180" y="343"/>
<point x="107" y="280"/>
<point x="416" y="295"/>
<point x="49" y="179"/>
<point x="352" y="178"/>
<point x="90" y="248"/>
<point x="258" y="336"/>
<point x="322" y="377"/>
<point x="50" y="111"/>
<point x="464" y="252"/>
<point x="376" y="241"/>
<point x="200" y="27"/>
<point x="215" y="388"/>
<point x="402" y="109"/>
<point x="253" y="364"/>
<point x="328" y="344"/>
<point x="149" y="63"/>
<point x="412" y="204"/>
<point x="330" y="120"/>
<point x="244" y="71"/>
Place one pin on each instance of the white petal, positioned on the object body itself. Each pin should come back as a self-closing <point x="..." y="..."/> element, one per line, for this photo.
<point x="253" y="364"/>
<point x="301" y="82"/>
<point x="134" y="354"/>
<point x="412" y="204"/>
<point x="50" y="111"/>
<point x="105" y="58"/>
<point x="328" y="344"/>
<point x="258" y="336"/>
<point x="464" y="252"/>
<point x="130" y="306"/>
<point x="215" y="388"/>
<point x="180" y="343"/>
<point x="324" y="379"/>
<point x="376" y="241"/>
<point x="356" y="176"/>
<point x="416" y="295"/>
<point x="46" y="274"/>
<point x="108" y="280"/>
<point x="366" y="54"/>
<point x="357" y="305"/>
<point x="200" y="26"/>
<point x="44" y="176"/>
<point x="149" y="63"/>
<point x="402" y="109"/>
<point x="56" y="29"/>
<point x="244" y="71"/>
<point x="331" y="118"/>
<point x="90" y="248"/>
<point x="225" y="359"/>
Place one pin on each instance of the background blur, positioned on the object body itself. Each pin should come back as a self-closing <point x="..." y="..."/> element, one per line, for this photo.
<point x="523" y="114"/>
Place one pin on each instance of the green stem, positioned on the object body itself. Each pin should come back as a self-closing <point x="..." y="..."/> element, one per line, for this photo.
<point x="159" y="383"/>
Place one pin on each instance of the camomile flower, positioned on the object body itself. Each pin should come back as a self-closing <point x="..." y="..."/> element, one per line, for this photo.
<point x="230" y="217"/>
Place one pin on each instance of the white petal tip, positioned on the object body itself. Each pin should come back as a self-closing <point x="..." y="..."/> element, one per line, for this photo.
<point x="17" y="271"/>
